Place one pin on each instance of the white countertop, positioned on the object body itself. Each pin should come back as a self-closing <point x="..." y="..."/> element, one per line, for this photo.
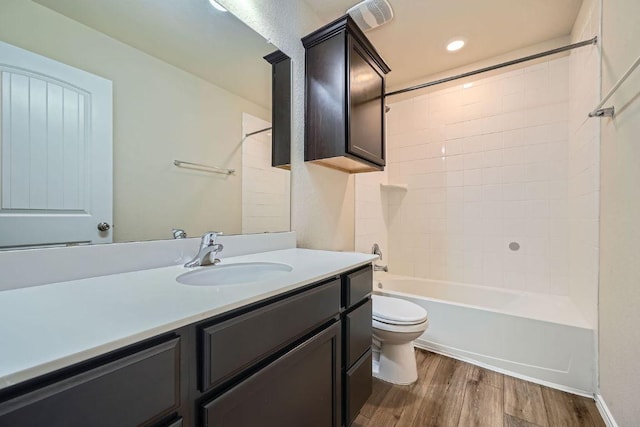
<point x="44" y="328"/>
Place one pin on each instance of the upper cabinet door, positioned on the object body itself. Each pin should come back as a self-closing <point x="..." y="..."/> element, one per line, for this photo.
<point x="280" y="109"/>
<point x="56" y="150"/>
<point x="366" y="99"/>
<point x="344" y="91"/>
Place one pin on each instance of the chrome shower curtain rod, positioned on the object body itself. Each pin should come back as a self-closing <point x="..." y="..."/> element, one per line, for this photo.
<point x="495" y="67"/>
<point x="256" y="132"/>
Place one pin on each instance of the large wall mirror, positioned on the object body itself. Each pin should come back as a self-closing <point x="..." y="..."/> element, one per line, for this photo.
<point x="122" y="120"/>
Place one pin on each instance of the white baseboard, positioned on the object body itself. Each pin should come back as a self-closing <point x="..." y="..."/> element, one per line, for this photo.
<point x="604" y="412"/>
<point x="425" y="346"/>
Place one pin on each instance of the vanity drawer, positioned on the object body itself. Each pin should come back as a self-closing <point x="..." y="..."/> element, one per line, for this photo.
<point x="134" y="390"/>
<point x="358" y="332"/>
<point x="358" y="387"/>
<point x="357" y="286"/>
<point x="236" y="344"/>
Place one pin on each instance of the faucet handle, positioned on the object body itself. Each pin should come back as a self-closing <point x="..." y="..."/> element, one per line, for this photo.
<point x="375" y="250"/>
<point x="209" y="238"/>
<point x="179" y="233"/>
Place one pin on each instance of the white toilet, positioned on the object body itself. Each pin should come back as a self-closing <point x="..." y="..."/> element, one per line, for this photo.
<point x="396" y="323"/>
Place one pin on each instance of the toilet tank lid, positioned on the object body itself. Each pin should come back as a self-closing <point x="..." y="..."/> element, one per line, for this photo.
<point x="398" y="310"/>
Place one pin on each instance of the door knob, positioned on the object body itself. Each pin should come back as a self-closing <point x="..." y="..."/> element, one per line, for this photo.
<point x="104" y="226"/>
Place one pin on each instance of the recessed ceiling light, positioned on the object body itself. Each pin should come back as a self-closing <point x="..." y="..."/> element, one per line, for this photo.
<point x="217" y="5"/>
<point x="454" y="45"/>
<point x="467" y="85"/>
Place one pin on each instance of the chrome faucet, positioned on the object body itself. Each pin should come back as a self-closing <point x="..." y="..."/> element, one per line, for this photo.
<point x="376" y="251"/>
<point x="208" y="249"/>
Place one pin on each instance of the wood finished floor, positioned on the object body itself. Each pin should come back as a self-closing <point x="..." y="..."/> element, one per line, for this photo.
<point x="454" y="393"/>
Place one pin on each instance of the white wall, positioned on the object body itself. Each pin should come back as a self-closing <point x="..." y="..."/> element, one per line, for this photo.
<point x="161" y="113"/>
<point x="265" y="189"/>
<point x="322" y="199"/>
<point x="485" y="166"/>
<point x="584" y="164"/>
<point x="619" y="315"/>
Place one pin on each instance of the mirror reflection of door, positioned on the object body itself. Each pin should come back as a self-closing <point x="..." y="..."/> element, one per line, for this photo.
<point x="56" y="152"/>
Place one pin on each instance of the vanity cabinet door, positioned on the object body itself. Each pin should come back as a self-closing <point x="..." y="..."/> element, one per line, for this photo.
<point x="301" y="388"/>
<point x="135" y="390"/>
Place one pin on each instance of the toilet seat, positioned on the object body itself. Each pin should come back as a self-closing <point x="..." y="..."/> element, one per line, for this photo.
<point x="420" y="327"/>
<point x="397" y="312"/>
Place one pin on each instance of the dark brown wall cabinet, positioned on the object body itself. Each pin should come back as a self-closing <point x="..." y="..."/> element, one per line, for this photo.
<point x="299" y="359"/>
<point x="280" y="109"/>
<point x="345" y="85"/>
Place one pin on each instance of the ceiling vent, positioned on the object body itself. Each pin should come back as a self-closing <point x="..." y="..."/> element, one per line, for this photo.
<point x="370" y="14"/>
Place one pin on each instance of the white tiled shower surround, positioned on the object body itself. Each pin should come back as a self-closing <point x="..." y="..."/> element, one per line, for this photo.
<point x="584" y="164"/>
<point x="266" y="203"/>
<point x="486" y="165"/>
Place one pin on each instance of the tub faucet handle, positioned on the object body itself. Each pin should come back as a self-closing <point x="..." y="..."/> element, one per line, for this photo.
<point x="376" y="251"/>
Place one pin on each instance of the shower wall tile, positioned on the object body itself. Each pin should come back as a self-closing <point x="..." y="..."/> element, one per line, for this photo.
<point x="485" y="166"/>
<point x="513" y="158"/>
<point x="584" y="165"/>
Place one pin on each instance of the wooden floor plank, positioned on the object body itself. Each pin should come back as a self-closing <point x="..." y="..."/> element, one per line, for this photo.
<point x="482" y="406"/>
<point x="492" y="378"/>
<point x="391" y="407"/>
<point x="434" y="403"/>
<point x="421" y="387"/>
<point x="453" y="393"/>
<point x="399" y="399"/>
<point x="449" y="413"/>
<point x="380" y="390"/>
<point x="594" y="413"/>
<point x="511" y="421"/>
<point x="361" y="421"/>
<point x="523" y="400"/>
<point x="564" y="409"/>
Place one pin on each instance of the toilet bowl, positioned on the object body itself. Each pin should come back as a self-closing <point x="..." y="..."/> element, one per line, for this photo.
<point x="396" y="323"/>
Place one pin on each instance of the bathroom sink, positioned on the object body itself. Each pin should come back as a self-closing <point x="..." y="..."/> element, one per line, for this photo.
<point x="234" y="274"/>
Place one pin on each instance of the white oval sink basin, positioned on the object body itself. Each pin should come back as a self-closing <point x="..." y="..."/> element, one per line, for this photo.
<point x="234" y="274"/>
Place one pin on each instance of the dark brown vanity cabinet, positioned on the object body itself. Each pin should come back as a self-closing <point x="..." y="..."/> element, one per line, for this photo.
<point x="136" y="389"/>
<point x="345" y="85"/>
<point x="299" y="358"/>
<point x="280" y="109"/>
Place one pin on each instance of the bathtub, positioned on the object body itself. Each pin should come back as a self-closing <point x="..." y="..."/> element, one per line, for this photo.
<point x="540" y="338"/>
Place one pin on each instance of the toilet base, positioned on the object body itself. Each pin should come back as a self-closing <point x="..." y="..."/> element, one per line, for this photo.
<point x="395" y="363"/>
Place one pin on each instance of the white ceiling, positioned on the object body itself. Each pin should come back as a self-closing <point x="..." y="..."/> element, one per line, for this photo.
<point x="189" y="34"/>
<point x="413" y="43"/>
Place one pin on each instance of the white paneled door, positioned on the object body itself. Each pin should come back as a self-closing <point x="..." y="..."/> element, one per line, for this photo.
<point x="55" y="152"/>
